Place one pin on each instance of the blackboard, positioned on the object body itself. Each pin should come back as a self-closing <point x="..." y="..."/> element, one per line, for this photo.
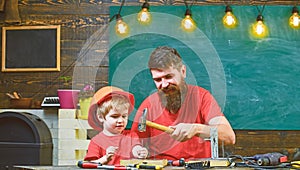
<point x="31" y="48"/>
<point x="255" y="81"/>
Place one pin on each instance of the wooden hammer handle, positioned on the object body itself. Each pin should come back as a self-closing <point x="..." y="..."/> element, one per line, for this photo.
<point x="159" y="127"/>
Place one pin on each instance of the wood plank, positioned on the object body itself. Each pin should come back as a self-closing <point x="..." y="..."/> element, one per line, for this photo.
<point x="43" y="7"/>
<point x="251" y="142"/>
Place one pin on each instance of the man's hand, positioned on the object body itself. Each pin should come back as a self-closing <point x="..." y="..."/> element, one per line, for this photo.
<point x="185" y="131"/>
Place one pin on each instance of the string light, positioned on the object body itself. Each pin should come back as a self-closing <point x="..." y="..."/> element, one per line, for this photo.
<point x="121" y="27"/>
<point x="294" y="21"/>
<point x="144" y="16"/>
<point x="229" y="20"/>
<point x="259" y="29"/>
<point x="188" y="24"/>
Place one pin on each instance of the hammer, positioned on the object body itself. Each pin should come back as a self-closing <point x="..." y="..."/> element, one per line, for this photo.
<point x="143" y="122"/>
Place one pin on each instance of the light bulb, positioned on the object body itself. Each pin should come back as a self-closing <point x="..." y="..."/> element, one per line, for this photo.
<point x="188" y="23"/>
<point x="144" y="16"/>
<point x="229" y="20"/>
<point x="121" y="27"/>
<point x="259" y="29"/>
<point x="294" y="20"/>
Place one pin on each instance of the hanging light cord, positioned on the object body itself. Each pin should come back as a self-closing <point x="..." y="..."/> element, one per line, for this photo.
<point x="187" y="6"/>
<point x="119" y="12"/>
<point x="123" y="1"/>
<point x="260" y="11"/>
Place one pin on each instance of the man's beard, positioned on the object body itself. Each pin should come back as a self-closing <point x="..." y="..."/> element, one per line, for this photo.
<point x="172" y="96"/>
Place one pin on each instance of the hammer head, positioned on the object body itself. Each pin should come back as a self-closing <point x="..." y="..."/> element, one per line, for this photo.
<point x="142" y="121"/>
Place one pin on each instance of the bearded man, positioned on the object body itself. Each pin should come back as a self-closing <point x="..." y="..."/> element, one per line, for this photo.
<point x="191" y="111"/>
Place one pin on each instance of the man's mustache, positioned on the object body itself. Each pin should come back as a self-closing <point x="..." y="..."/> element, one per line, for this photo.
<point x="169" y="88"/>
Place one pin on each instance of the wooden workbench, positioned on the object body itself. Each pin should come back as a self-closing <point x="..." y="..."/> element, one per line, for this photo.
<point x="75" y="167"/>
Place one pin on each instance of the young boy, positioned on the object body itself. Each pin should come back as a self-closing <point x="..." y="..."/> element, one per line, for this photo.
<point x="108" y="113"/>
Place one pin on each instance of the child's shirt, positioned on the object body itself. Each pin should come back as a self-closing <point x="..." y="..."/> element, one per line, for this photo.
<point x="125" y="142"/>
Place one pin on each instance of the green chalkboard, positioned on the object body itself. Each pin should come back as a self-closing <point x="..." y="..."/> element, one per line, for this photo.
<point x="255" y="81"/>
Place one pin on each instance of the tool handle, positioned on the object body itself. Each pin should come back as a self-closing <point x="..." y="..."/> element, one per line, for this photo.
<point x="159" y="127"/>
<point x="87" y="165"/>
<point x="10" y="95"/>
<point x="16" y="95"/>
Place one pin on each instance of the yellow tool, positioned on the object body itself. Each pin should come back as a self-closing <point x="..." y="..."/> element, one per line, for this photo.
<point x="213" y="132"/>
<point x="160" y="162"/>
<point x="295" y="164"/>
<point x="143" y="122"/>
<point x="148" y="166"/>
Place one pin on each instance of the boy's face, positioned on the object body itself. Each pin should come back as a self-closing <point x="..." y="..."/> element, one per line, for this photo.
<point x="115" y="121"/>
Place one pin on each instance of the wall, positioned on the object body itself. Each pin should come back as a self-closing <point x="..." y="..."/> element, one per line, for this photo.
<point x="83" y="26"/>
<point x="83" y="31"/>
<point x="254" y="69"/>
<point x="78" y="22"/>
<point x="253" y="79"/>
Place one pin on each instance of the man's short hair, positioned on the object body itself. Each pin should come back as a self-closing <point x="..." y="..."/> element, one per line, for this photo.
<point x="164" y="57"/>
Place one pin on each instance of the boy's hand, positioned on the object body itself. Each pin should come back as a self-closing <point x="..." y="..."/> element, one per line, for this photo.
<point x="110" y="151"/>
<point x="143" y="153"/>
<point x="139" y="152"/>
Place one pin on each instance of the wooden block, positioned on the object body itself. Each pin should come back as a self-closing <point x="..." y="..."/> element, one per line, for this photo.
<point x="66" y="144"/>
<point x="67" y="113"/>
<point x="73" y="124"/>
<point x="73" y="144"/>
<point x="67" y="162"/>
<point x="82" y="144"/>
<point x="74" y="155"/>
<point x="68" y="157"/>
<point x="72" y="139"/>
<point x="68" y="124"/>
<point x="80" y="154"/>
<point x="67" y="133"/>
<point x="162" y="162"/>
<point x="66" y="154"/>
<point x="81" y="134"/>
<point x="84" y="124"/>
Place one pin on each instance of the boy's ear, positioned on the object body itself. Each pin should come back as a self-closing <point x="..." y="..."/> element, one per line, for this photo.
<point x="101" y="118"/>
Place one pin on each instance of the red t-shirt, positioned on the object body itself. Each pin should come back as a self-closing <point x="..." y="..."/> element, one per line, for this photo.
<point x="199" y="106"/>
<point x="99" y="143"/>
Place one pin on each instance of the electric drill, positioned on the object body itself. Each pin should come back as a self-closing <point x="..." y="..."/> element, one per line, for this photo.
<point x="267" y="159"/>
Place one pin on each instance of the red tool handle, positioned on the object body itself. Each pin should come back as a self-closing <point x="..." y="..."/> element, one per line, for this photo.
<point x="90" y="165"/>
<point x="87" y="165"/>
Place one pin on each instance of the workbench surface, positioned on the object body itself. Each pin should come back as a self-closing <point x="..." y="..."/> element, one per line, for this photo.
<point x="77" y="168"/>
